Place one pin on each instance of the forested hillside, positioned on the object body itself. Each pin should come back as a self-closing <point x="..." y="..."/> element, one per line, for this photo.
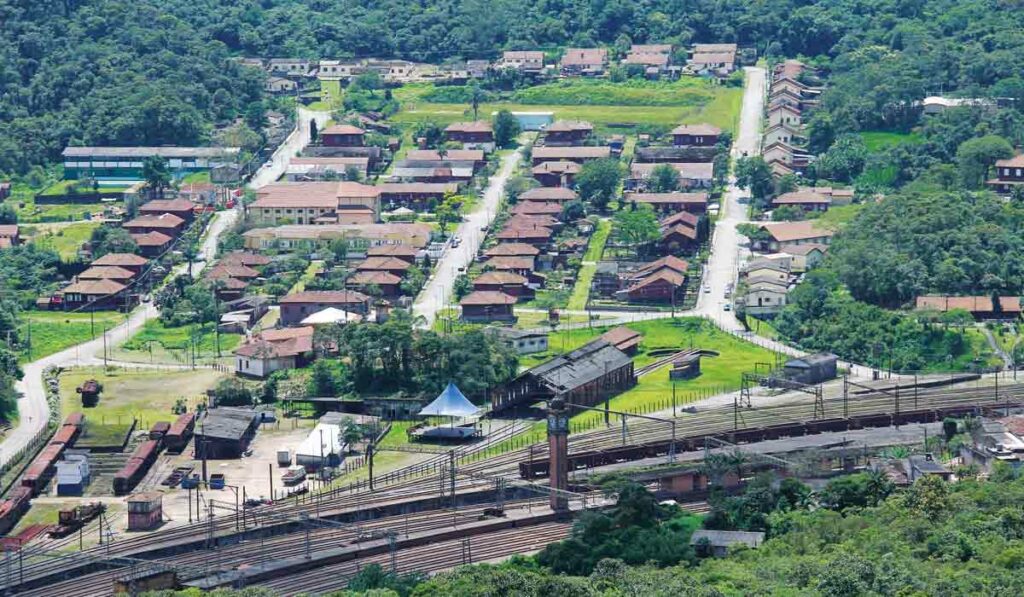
<point x="149" y="71"/>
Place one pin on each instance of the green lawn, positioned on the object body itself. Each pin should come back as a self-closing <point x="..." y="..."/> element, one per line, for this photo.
<point x="879" y="140"/>
<point x="197" y="178"/>
<point x="29" y="212"/>
<point x="330" y="95"/>
<point x="581" y="290"/>
<point x="158" y="343"/>
<point x="722" y="110"/>
<point x="148" y="396"/>
<point x="595" y="248"/>
<point x="50" y="332"/>
<point x="65" y="240"/>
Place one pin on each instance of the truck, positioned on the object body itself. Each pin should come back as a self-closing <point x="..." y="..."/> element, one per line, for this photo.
<point x="295" y="474"/>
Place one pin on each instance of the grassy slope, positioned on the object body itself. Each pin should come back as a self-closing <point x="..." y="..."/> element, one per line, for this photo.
<point x="595" y="248"/>
<point x="840" y="215"/>
<point x="67" y="239"/>
<point x="52" y="331"/>
<point x="171" y="344"/>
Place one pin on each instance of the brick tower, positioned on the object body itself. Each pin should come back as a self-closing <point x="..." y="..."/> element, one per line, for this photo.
<point x="558" y="452"/>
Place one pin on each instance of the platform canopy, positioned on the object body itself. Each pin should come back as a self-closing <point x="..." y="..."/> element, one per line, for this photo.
<point x="451" y="403"/>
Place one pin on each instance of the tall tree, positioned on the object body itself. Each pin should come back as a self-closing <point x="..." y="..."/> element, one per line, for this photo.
<point x="157" y="174"/>
<point x="598" y="181"/>
<point x="664" y="179"/>
<point x="506" y="128"/>
<point x="975" y="157"/>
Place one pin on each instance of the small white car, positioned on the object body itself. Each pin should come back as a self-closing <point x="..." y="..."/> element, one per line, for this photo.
<point x="728" y="307"/>
<point x="707" y="289"/>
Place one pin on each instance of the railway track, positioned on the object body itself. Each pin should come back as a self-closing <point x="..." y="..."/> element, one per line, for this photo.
<point x="403" y="489"/>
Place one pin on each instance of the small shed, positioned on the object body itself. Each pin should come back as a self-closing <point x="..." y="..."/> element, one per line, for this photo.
<point x="717" y="543"/>
<point x="145" y="511"/>
<point x="812" y="369"/>
<point x="924" y="465"/>
<point x="72" y="474"/>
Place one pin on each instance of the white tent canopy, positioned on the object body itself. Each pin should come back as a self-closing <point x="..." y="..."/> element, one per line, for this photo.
<point x="451" y="403"/>
<point x="331" y="315"/>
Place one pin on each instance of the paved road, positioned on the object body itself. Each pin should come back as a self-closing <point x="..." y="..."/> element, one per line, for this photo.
<point x="293" y="144"/>
<point x="437" y="292"/>
<point x="727" y="246"/>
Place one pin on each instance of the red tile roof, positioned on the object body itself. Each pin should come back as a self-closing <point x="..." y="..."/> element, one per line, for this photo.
<point x="106" y="272"/>
<point x="95" y="287"/>
<point x="121" y="260"/>
<point x="499" y="277"/>
<point x="512" y="250"/>
<point x="487" y="297"/>
<point x="151" y="221"/>
<point x="549" y="193"/>
<point x="324" y="296"/>
<point x="152" y="239"/>
<point x="343" y="129"/>
<point x="705" y="129"/>
<point x="384" y="264"/>
<point x="367" y="277"/>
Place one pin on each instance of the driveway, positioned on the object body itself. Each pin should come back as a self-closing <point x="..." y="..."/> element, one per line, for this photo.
<point x="438" y="289"/>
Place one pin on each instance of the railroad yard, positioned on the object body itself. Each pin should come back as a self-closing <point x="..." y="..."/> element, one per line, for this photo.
<point x="410" y="520"/>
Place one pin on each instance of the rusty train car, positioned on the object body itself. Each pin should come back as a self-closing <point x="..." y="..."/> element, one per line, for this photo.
<point x="136" y="468"/>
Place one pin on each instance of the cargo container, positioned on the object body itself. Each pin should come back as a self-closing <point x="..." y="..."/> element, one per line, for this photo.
<point x="13" y="507"/>
<point x="284" y="458"/>
<point x="76" y="419"/>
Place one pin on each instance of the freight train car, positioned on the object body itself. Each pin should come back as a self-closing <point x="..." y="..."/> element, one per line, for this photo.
<point x="159" y="430"/>
<point x="42" y="468"/>
<point x="136" y="468"/>
<point x="13" y="507"/>
<point x="180" y="433"/>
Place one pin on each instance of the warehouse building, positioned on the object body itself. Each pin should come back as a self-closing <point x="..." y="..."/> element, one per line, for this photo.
<point x="225" y="432"/>
<point x="584" y="376"/>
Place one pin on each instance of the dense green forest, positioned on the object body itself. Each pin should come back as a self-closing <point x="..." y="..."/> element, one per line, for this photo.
<point x="154" y="72"/>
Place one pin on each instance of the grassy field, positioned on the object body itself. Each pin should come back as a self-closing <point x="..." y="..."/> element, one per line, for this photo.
<point x="687" y="91"/>
<point x="158" y="343"/>
<point x="148" y="396"/>
<point x="52" y="331"/>
<point x="722" y="110"/>
<point x="330" y="92"/>
<point x="65" y="240"/>
<point x="595" y="248"/>
<point x="879" y="140"/>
